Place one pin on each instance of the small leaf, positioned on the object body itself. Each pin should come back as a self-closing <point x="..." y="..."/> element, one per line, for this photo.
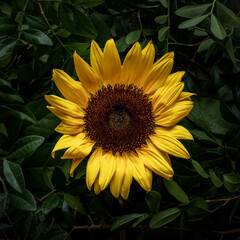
<point x="14" y="175"/>
<point x="162" y="33"/>
<point x="192" y="22"/>
<point x="215" y="179"/>
<point x="144" y="216"/>
<point x="119" y="221"/>
<point x="42" y="229"/>
<point x="164" y="217"/>
<point x="50" y="203"/>
<point x="153" y="200"/>
<point x="176" y="191"/>
<point x="88" y="3"/>
<point x="205" y="45"/>
<point x="199" y="169"/>
<point x="36" y="22"/>
<point x="231" y="181"/>
<point x="23" y="201"/>
<point x="161" y="19"/>
<point x="37" y="37"/>
<point x="3" y="201"/>
<point x="133" y="37"/>
<point x="198" y="206"/>
<point x="7" y="49"/>
<point x="192" y="11"/>
<point x="74" y="203"/>
<point x="217" y="28"/>
<point x="24" y="146"/>
<point x="10" y="95"/>
<point x="229" y="48"/>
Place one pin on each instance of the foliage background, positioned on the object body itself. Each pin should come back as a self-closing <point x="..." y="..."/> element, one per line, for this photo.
<point x="39" y="200"/>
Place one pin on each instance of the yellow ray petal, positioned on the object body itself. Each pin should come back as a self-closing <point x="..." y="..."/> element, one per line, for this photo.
<point x="72" y="121"/>
<point x="165" y="97"/>
<point x="173" y="115"/>
<point x="170" y="145"/>
<point x="96" y="55"/>
<point x="185" y="96"/>
<point x="174" y="78"/>
<point x="75" y="163"/>
<point x="79" y="149"/>
<point x="97" y="189"/>
<point x="177" y="131"/>
<point x="93" y="167"/>
<point x="117" y="180"/>
<point x="127" y="180"/>
<point x="68" y="129"/>
<point x="139" y="172"/>
<point x="156" y="160"/>
<point x="86" y="74"/>
<point x="107" y="169"/>
<point x="111" y="64"/>
<point x="158" y="74"/>
<point x="72" y="90"/>
<point x="132" y="65"/>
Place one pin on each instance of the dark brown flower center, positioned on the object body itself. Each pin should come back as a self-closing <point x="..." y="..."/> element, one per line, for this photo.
<point x="119" y="118"/>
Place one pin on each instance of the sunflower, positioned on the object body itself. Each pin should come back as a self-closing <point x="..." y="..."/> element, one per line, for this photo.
<point x="124" y="114"/>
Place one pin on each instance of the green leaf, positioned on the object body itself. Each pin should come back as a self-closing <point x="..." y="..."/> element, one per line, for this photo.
<point x="22" y="112"/>
<point x="13" y="174"/>
<point x="42" y="229"/>
<point x="162" y="33"/>
<point x="198" y="206"/>
<point x="23" y="201"/>
<point x="153" y="200"/>
<point x="119" y="221"/>
<point x="133" y="37"/>
<point x="69" y="214"/>
<point x="37" y="37"/>
<point x="76" y="46"/>
<point x="231" y="181"/>
<point x="193" y="10"/>
<point x="144" y="217"/>
<point x="199" y="169"/>
<point x="36" y="22"/>
<point x="88" y="3"/>
<point x="164" y="217"/>
<point x="161" y="19"/>
<point x="215" y="179"/>
<point x="10" y="95"/>
<point x="229" y="48"/>
<point x="29" y="225"/>
<point x="234" y="209"/>
<point x="7" y="49"/>
<point x="205" y="45"/>
<point x="50" y="203"/>
<point x="3" y="201"/>
<point x="176" y="191"/>
<point x="74" y="203"/>
<point x="192" y="22"/>
<point x="57" y="235"/>
<point x="227" y="16"/>
<point x="24" y="146"/>
<point x="217" y="28"/>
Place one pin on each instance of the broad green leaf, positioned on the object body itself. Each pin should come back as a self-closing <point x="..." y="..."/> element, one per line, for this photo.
<point x="50" y="203"/>
<point x="176" y="191"/>
<point x="144" y="217"/>
<point x="29" y="225"/>
<point x="161" y="19"/>
<point x="74" y="203"/>
<point x="69" y="214"/>
<point x="153" y="200"/>
<point x="133" y="37"/>
<point x="10" y="95"/>
<point x="164" y="217"/>
<point x="23" y="201"/>
<point x="217" y="28"/>
<point x="215" y="179"/>
<point x="14" y="175"/>
<point x="198" y="206"/>
<point x="36" y="37"/>
<point x="22" y="113"/>
<point x="36" y="22"/>
<point x="121" y="44"/>
<point x="3" y="130"/>
<point x="192" y="11"/>
<point x="88" y="3"/>
<point x="205" y="45"/>
<point x="3" y="201"/>
<point x="192" y="22"/>
<point x="42" y="229"/>
<point x="119" y="221"/>
<point x="76" y="46"/>
<point x="227" y="16"/>
<point x="202" y="136"/>
<point x="234" y="209"/>
<point x="231" y="181"/>
<point x="7" y="49"/>
<point x="5" y="8"/>
<point x="162" y="33"/>
<point x="164" y="3"/>
<point x="24" y="146"/>
<point x="199" y="169"/>
<point x="229" y="48"/>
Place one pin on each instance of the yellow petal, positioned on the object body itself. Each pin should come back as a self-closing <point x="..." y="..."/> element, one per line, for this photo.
<point x="127" y="180"/>
<point x="174" y="78"/>
<point x="169" y="145"/>
<point x="107" y="169"/>
<point x="93" y="167"/>
<point x="177" y="131"/>
<point x="165" y="97"/>
<point x="158" y="74"/>
<point x="97" y="189"/>
<point x="67" y="119"/>
<point x="96" y="58"/>
<point x="156" y="160"/>
<point x="132" y="65"/>
<point x="117" y="180"/>
<point x="72" y="90"/>
<point x="79" y="149"/>
<point x="75" y="163"/>
<point x="173" y="115"/>
<point x="111" y="64"/>
<point x="65" y="106"/>
<point x="185" y="96"/>
<point x="68" y="129"/>
<point x="139" y="172"/>
<point x="86" y="74"/>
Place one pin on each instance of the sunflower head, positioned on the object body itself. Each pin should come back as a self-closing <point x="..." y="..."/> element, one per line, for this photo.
<point x="124" y="114"/>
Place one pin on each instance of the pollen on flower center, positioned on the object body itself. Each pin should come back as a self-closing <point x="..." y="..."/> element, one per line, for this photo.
<point x="119" y="118"/>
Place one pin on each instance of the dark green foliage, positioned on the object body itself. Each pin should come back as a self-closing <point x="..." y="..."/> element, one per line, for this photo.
<point x="39" y="200"/>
